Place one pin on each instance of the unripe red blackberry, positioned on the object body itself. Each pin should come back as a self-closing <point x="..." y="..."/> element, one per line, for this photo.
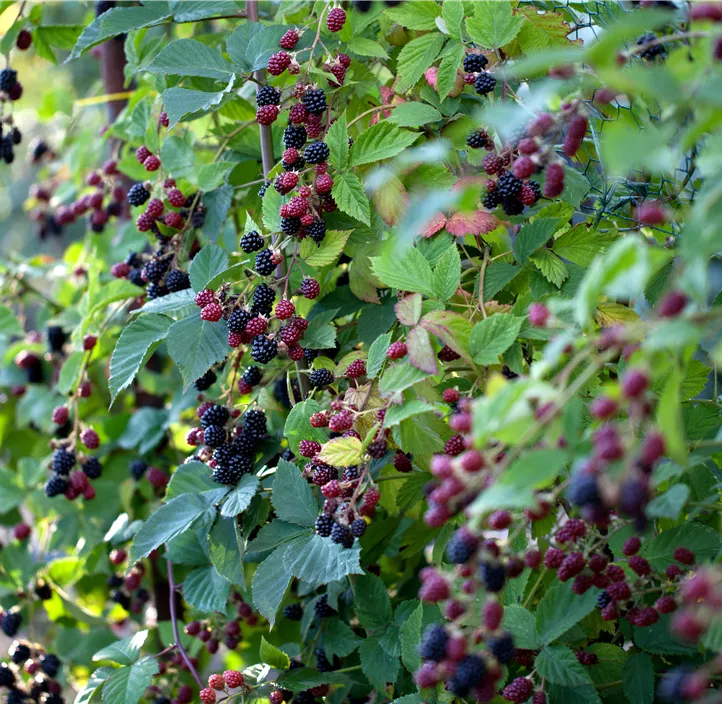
<point x="289" y="39"/>
<point x="446" y="354"/>
<point x="666" y="604"/>
<point x="152" y="163"/>
<point x="684" y="555"/>
<point x="356" y="369"/>
<point x="499" y="520"/>
<point x="639" y="565"/>
<point x="207" y="695"/>
<point x="144" y="222"/>
<point x="523" y="167"/>
<point x="309" y="448"/>
<point x="212" y="312"/>
<point x="634" y="383"/>
<point x="396" y="350"/>
<point x="90" y="439"/>
<point x="141" y="154"/>
<point x="672" y="304"/>
<point x="619" y="591"/>
<point x="24" y="40"/>
<point x="174" y="220"/>
<point x="298" y="115"/>
<point x="216" y="682"/>
<point x="539" y="698"/>
<point x="336" y="19"/>
<point x="155" y="208"/>
<point x="176" y="198"/>
<point x="343" y="420"/>
<point x="538" y="315"/>
<point x="310" y="288"/>
<point x="603" y="407"/>
<point x="492" y="164"/>
<point x="278" y="63"/>
<point x="295" y="353"/>
<point x="401" y="462"/>
<point x="21" y="531"/>
<point x="60" y="415"/>
<point x="492" y="614"/>
<point x="267" y="114"/>
<point x="276" y="697"/>
<point x="519" y="690"/>
<point x="450" y="395"/>
<point x="454" y="445"/>
<point x="554" y="185"/>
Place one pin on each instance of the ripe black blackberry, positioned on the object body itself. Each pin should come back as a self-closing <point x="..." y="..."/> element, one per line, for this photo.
<point x="473" y="63"/>
<point x="16" y="136"/>
<point x="263" y="297"/>
<point x="251" y="242"/>
<point x="322" y="607"/>
<point x="121" y="598"/>
<point x="362" y="5"/>
<point x="341" y="535"/>
<point x="56" y="485"/>
<point x="6" y="150"/>
<point x="508" y="185"/>
<point x="8" y="79"/>
<point x="137" y="195"/>
<point x="225" y="474"/>
<point x="309" y="355"/>
<point x="493" y="576"/>
<point x="433" y="643"/>
<point x="290" y="226"/>
<point x="320" y="377"/>
<point x="491" y="200"/>
<point x="262" y="190"/>
<point x="56" y="338"/>
<point x="92" y="468"/>
<point x="263" y="349"/>
<point x="19" y="653"/>
<point x="268" y="95"/>
<point x="50" y="664"/>
<point x="137" y="469"/>
<point x="358" y="527"/>
<point x="536" y="188"/>
<point x="255" y="422"/>
<point x="43" y="590"/>
<point x="459" y="549"/>
<point x="205" y="382"/>
<point x="7" y="677"/>
<point x="477" y="139"/>
<point x="484" y="83"/>
<point x="288" y="455"/>
<point x="294" y="136"/>
<point x="177" y="280"/>
<point x="377" y="449"/>
<point x="136" y="277"/>
<point x="214" y="436"/>
<point x="63" y="461"/>
<point x="252" y="376"/>
<point x="470" y="670"/>
<point x="114" y="581"/>
<point x="155" y="269"/>
<point x="264" y="265"/>
<point x="316" y="152"/>
<point x="293" y="612"/>
<point x="322" y="661"/>
<point x="603" y="599"/>
<point x="245" y="444"/>
<point x="315" y="101"/>
<point x="304" y="697"/>
<point x="502" y="647"/>
<point x="317" y="230"/>
<point x="238" y="320"/>
<point x="324" y="525"/>
<point x="350" y="474"/>
<point x="512" y="206"/>
<point x="215" y="415"/>
<point x="156" y="291"/>
<point x="298" y="165"/>
<point x="10" y="623"/>
<point x="649" y="54"/>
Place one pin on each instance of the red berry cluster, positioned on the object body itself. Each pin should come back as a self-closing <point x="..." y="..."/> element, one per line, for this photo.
<point x="230" y="679"/>
<point x="126" y="586"/>
<point x="213" y="632"/>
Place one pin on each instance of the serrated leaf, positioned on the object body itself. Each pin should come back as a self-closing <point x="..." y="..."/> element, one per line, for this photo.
<point x="533" y="236"/>
<point x="582" y="244"/>
<point x="341" y="452"/>
<point x="269" y="584"/>
<point x="670" y="503"/>
<point x="240" y="496"/>
<point x="638" y="678"/>
<point x="492" y="337"/>
<point x="208" y="263"/>
<point x="493" y="24"/>
<point x="447" y="272"/>
<point x="189" y="57"/>
<point x="273" y="656"/>
<point x="9" y="324"/>
<point x="70" y="372"/>
<point x="560" y="609"/>
<point x="559" y="665"/>
<point x="410" y="272"/>
<point x="381" y="141"/>
<point x="212" y="176"/>
<point x="135" y="345"/>
<point x="179" y="102"/>
<point x="396" y="414"/>
<point x="520" y="623"/>
<point x="325" y="253"/>
<point x="377" y="355"/>
<point x="414" y="114"/>
<point x="348" y="192"/>
<point x="317" y="560"/>
<point x="225" y="548"/>
<point x="299" y="428"/>
<point x="410" y="635"/>
<point x="420" y="350"/>
<point x="366" y="47"/>
<point x="126" y="685"/>
<point x="168" y="521"/>
<point x="552" y="268"/>
<point x="418" y="15"/>
<point x="453" y="13"/>
<point x="339" y="639"/>
<point x="416" y="57"/>
<point x="401" y="376"/>
<point x="452" y="328"/>
<point x="125" y="651"/>
<point x="292" y="497"/>
<point x="449" y="69"/>
<point x="195" y="345"/>
<point x="206" y="590"/>
<point x="305" y="677"/>
<point x="337" y="142"/>
<point x="372" y="603"/>
<point x="705" y="541"/>
<point x="497" y="276"/>
<point x="378" y="666"/>
<point x="94" y="685"/>
<point x="321" y="333"/>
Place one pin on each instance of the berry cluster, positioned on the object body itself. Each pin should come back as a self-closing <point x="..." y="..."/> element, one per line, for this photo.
<point x="230" y="679"/>
<point x="126" y="586"/>
<point x="214" y="631"/>
<point x="30" y="673"/>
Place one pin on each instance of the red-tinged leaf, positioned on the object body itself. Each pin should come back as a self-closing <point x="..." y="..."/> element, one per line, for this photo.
<point x="452" y="328"/>
<point x="476" y="223"/>
<point x="435" y="224"/>
<point x="408" y="309"/>
<point x="421" y="352"/>
<point x="391" y="200"/>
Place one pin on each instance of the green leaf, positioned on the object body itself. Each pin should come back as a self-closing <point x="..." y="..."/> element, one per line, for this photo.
<point x="166" y="523"/>
<point x="415" y="58"/>
<point x="240" y="497"/>
<point x="348" y="192"/>
<point x="135" y="345"/>
<point x="272" y="656"/>
<point x="9" y="324"/>
<point x="305" y="677"/>
<point x="559" y="694"/>
<point x="274" y="534"/>
<point x="339" y="639"/>
<point x="493" y="24"/>
<point x="492" y="337"/>
<point x="189" y="57"/>
<point x="206" y="590"/>
<point x="419" y="15"/>
<point x="452" y="11"/>
<point x="377" y="355"/>
<point x="520" y="623"/>
<point x="401" y="376"/>
<point x="448" y="69"/>
<point x="321" y="333"/>
<point x="410" y="634"/>
<point x="269" y="584"/>
<point x="705" y="541"/>
<point x="292" y="496"/>
<point x="225" y="548"/>
<point x="299" y="428"/>
<point x="559" y="665"/>
<point x="217" y="204"/>
<point x="381" y="141"/>
<point x="371" y="602"/>
<point x="70" y="372"/>
<point x="94" y="685"/>
<point x="552" y="268"/>
<point x="498" y="275"/>
<point x="125" y="651"/>
<point x="190" y="11"/>
<point x="179" y="102"/>
<point x="195" y="345"/>
<point x="337" y="142"/>
<point x="212" y="176"/>
<point x="445" y="279"/>
<point x="669" y="417"/>
<point x="533" y="235"/>
<point x="325" y="253"/>
<point x="378" y="666"/>
<point x="395" y="414"/>
<point x="177" y="157"/>
<point x="410" y="272"/>
<point x="251" y="44"/>
<point x="126" y="685"/>
<point x="639" y="678"/>
<point x="414" y="115"/>
<point x="207" y="264"/>
<point x="366" y="47"/>
<point x="318" y="561"/>
<point x="670" y="503"/>
<point x="191" y="478"/>
<point x="560" y="609"/>
<point x="341" y="452"/>
<point x="581" y="244"/>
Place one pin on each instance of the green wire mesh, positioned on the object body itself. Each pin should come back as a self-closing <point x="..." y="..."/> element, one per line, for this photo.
<point x="617" y="198"/>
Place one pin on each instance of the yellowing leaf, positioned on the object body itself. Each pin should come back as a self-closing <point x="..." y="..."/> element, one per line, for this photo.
<point x="609" y="314"/>
<point x="327" y="251"/>
<point x="391" y="200"/>
<point x="341" y="452"/>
